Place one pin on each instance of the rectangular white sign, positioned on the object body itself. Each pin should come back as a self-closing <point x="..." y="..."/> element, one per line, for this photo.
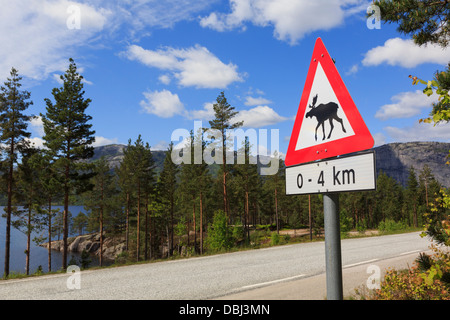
<point x="351" y="173"/>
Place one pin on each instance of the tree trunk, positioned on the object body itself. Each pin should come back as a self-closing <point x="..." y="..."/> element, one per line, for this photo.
<point x="201" y="224"/>
<point x="49" y="234"/>
<point x="8" y="210"/>
<point x="27" y="263"/>
<point x="127" y="221"/>
<point x="276" y="210"/>
<point x="195" y="226"/>
<point x="65" y="218"/>
<point x="138" y="228"/>
<point x="101" y="225"/>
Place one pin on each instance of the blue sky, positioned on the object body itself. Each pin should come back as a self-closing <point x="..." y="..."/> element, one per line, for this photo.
<point x="155" y="66"/>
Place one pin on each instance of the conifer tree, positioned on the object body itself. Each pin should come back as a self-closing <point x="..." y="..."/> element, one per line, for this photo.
<point x="99" y="199"/>
<point x="224" y="114"/>
<point x="142" y="172"/>
<point x="29" y="194"/>
<point x="13" y="136"/>
<point x="248" y="181"/>
<point x="411" y="191"/>
<point x="425" y="20"/>
<point x="167" y="186"/>
<point x="68" y="137"/>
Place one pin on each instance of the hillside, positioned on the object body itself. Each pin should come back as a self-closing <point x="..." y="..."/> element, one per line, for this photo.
<point x="394" y="159"/>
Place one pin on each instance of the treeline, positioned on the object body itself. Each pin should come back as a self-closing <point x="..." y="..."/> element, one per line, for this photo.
<point x="184" y="207"/>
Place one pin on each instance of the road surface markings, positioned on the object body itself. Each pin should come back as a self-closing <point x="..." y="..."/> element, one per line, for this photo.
<point x="409" y="252"/>
<point x="272" y="282"/>
<point x="359" y="263"/>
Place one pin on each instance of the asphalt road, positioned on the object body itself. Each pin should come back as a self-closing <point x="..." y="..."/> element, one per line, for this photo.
<point x="232" y="275"/>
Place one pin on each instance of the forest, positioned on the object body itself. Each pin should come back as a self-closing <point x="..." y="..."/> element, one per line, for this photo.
<point x="190" y="208"/>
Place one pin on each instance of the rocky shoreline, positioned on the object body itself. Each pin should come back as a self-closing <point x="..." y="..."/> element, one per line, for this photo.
<point x="112" y="247"/>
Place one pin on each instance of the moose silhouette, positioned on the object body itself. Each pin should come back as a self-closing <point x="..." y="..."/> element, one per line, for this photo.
<point x="323" y="112"/>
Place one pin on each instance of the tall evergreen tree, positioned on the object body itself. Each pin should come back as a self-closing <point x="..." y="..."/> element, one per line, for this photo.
<point x="99" y="199"/>
<point x="13" y="135"/>
<point x="29" y="194"/>
<point x="224" y="114"/>
<point x="125" y="175"/>
<point x="142" y="172"/>
<point x="167" y="186"/>
<point x="68" y="137"/>
<point x="411" y="191"/>
<point x="248" y="181"/>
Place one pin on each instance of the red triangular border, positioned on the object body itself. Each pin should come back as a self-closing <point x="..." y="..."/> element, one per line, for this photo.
<point x="361" y="140"/>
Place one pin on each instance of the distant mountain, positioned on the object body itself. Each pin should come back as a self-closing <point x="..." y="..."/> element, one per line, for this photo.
<point x="114" y="154"/>
<point x="394" y="159"/>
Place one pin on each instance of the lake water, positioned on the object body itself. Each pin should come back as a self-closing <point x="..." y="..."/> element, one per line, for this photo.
<point x="38" y="255"/>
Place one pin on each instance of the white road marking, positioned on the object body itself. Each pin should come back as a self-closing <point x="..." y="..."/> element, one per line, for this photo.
<point x="272" y="282"/>
<point x="359" y="263"/>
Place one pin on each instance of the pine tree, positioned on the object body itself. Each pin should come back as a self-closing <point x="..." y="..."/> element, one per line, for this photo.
<point x="224" y="114"/>
<point x="167" y="186"/>
<point x="29" y="194"/>
<point x="411" y="191"/>
<point x="50" y="188"/>
<point x="98" y="200"/>
<point x="68" y="137"/>
<point x="142" y="173"/>
<point x="425" y="20"/>
<point x="13" y="135"/>
<point x="248" y="181"/>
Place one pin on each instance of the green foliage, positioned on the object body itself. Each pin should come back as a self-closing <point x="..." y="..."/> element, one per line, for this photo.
<point x="437" y="223"/>
<point x="275" y="238"/>
<point x="390" y="225"/>
<point x="424" y="20"/>
<point x="85" y="259"/>
<point x="220" y="234"/>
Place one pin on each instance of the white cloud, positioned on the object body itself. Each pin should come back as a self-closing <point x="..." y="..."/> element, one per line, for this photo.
<point x="164" y="104"/>
<point x="259" y="116"/>
<point x="37" y="125"/>
<point x="140" y="14"/>
<point x="404" y="53"/>
<point x="161" y="145"/>
<point x="36" y="142"/>
<point x="291" y="20"/>
<point x="195" y="66"/>
<point x="379" y="138"/>
<point x="207" y="113"/>
<point x="406" y="105"/>
<point x="420" y="132"/>
<point x="102" y="141"/>
<point x="164" y="79"/>
<point x="251" y="101"/>
<point x="354" y="69"/>
<point x="36" y="39"/>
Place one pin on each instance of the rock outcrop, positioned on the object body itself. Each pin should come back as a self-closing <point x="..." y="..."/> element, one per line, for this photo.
<point x="112" y="247"/>
<point x="396" y="159"/>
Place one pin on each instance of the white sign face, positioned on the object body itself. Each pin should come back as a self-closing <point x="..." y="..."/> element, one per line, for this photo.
<point x="313" y="132"/>
<point x="352" y="173"/>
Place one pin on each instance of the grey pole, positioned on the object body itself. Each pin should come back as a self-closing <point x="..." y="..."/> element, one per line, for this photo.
<point x="333" y="246"/>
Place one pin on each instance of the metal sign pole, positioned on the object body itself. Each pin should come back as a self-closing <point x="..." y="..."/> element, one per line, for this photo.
<point x="332" y="246"/>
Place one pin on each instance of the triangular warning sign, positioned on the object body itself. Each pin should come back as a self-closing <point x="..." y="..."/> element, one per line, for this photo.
<point x="328" y="123"/>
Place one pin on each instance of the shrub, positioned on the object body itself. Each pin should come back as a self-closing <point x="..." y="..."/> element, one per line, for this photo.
<point x="275" y="238"/>
<point x="428" y="279"/>
<point x="389" y="225"/>
<point x="219" y="233"/>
